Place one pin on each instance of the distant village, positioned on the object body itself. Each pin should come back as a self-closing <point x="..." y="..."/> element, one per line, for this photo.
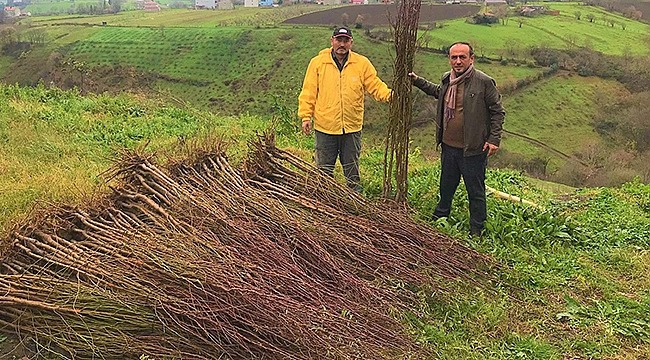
<point x="13" y="8"/>
<point x="228" y="4"/>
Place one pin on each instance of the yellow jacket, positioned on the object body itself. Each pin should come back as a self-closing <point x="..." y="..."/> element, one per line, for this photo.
<point x="333" y="98"/>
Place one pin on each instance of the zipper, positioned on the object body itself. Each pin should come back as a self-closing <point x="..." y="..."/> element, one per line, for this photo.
<point x="341" y="94"/>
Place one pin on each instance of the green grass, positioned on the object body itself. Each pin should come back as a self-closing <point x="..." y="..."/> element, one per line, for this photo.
<point x="56" y="7"/>
<point x="54" y="144"/>
<point x="562" y="109"/>
<point x="574" y="272"/>
<point x="563" y="31"/>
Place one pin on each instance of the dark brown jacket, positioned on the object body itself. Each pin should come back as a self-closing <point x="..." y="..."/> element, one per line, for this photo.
<point x="482" y="110"/>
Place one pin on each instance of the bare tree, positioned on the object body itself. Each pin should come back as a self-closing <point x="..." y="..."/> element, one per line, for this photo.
<point x="513" y="49"/>
<point x="36" y="36"/>
<point x="8" y="35"/>
<point x="345" y="19"/>
<point x="503" y="13"/>
<point x="358" y="23"/>
<point x="116" y="5"/>
<point x="629" y="11"/>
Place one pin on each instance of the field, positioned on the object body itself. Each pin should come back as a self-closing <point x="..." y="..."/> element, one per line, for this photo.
<point x="563" y="31"/>
<point x="564" y="121"/>
<point x="379" y="15"/>
<point x="216" y="60"/>
<point x="197" y="63"/>
<point x="575" y="276"/>
<point x="241" y="16"/>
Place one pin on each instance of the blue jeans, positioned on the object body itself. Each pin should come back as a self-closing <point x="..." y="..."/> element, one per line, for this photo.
<point x="472" y="169"/>
<point x="347" y="148"/>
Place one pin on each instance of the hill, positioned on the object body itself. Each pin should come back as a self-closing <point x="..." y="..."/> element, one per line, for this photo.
<point x="246" y="61"/>
<point x="573" y="274"/>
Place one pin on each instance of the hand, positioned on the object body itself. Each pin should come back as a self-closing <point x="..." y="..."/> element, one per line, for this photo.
<point x="306" y="127"/>
<point x="413" y="76"/>
<point x="490" y="148"/>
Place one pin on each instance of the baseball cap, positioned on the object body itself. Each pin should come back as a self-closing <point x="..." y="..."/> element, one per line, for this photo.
<point x="342" y="31"/>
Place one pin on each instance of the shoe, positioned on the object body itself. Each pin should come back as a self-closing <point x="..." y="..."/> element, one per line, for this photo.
<point x="475" y="232"/>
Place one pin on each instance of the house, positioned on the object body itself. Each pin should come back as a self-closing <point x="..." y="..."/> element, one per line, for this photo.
<point x="205" y="4"/>
<point x="532" y="10"/>
<point x="495" y="2"/>
<point x="12" y="11"/>
<point x="151" y="6"/>
<point x="331" y="2"/>
<point x="225" y="5"/>
<point x="266" y="3"/>
<point x="251" y="3"/>
<point x="356" y="2"/>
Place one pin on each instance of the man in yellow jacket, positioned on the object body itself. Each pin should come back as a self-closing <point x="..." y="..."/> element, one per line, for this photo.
<point x="332" y="96"/>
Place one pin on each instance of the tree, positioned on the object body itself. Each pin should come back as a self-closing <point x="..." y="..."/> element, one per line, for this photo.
<point x="36" y="36"/>
<point x="591" y="17"/>
<point x="578" y="15"/>
<point x="503" y="13"/>
<point x="80" y="67"/>
<point x="345" y="19"/>
<point x="358" y="22"/>
<point x="8" y="36"/>
<point x="513" y="49"/>
<point x="629" y="11"/>
<point x="116" y="5"/>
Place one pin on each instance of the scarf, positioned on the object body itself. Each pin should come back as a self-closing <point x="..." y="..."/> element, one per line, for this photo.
<point x="450" y="97"/>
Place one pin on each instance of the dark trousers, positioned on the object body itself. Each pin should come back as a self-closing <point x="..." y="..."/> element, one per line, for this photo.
<point x="347" y="148"/>
<point x="472" y="169"/>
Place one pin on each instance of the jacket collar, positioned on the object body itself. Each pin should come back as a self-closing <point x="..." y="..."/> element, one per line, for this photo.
<point x="326" y="55"/>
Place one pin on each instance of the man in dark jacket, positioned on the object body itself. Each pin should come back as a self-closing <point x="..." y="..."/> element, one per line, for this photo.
<point x="469" y="122"/>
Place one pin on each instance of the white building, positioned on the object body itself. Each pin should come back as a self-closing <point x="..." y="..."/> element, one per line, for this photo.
<point x="205" y="4"/>
<point x="251" y="3"/>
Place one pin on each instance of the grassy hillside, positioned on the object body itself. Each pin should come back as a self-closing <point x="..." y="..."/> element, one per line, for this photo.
<point x="574" y="275"/>
<point x="563" y="109"/>
<point x="226" y="69"/>
<point x="229" y="62"/>
<point x="55" y="144"/>
<point x="562" y="31"/>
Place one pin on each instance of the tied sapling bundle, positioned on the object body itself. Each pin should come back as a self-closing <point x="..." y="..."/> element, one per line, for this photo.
<point x="400" y="113"/>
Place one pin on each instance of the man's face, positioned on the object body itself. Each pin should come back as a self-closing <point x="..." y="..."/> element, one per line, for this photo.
<point x="341" y="45"/>
<point x="460" y="59"/>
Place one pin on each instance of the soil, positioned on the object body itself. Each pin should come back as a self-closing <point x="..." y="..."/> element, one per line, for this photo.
<point x="377" y="15"/>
